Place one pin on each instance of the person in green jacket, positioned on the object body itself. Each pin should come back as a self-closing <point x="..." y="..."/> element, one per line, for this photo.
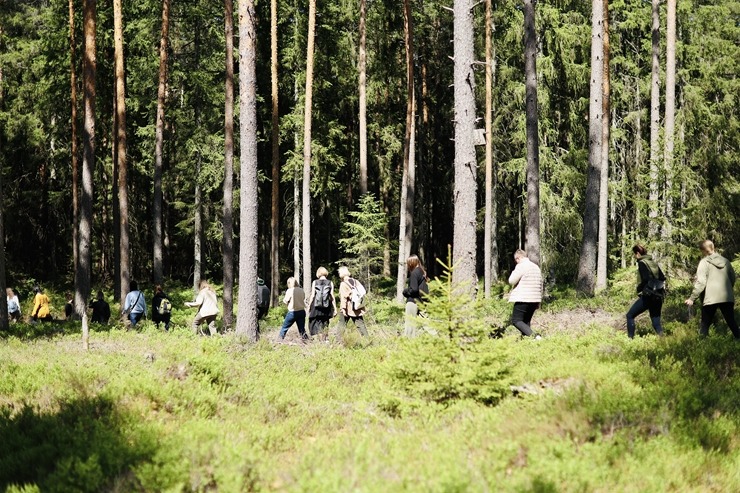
<point x="715" y="278"/>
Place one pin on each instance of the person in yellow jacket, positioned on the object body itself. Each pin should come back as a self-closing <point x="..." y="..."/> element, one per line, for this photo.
<point x="41" y="306"/>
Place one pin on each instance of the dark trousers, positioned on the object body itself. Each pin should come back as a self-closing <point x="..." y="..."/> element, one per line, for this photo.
<point x="652" y="304"/>
<point x="728" y="311"/>
<point x="522" y="316"/>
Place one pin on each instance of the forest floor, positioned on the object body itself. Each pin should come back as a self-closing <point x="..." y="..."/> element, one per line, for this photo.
<point x="583" y="409"/>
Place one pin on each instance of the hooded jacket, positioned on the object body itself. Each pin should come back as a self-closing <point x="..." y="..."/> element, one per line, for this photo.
<point x="715" y="278"/>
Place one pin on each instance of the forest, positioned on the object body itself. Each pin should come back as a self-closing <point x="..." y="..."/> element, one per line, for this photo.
<point x="169" y="142"/>
<point x="668" y="203"/>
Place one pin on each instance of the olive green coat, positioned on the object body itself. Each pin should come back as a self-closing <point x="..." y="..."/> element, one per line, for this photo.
<point x="715" y="278"/>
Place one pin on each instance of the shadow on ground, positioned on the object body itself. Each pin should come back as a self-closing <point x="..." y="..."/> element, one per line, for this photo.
<point x="85" y="445"/>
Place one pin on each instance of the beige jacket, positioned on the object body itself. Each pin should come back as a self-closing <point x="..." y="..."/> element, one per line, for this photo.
<point x="207" y="302"/>
<point x="527" y="282"/>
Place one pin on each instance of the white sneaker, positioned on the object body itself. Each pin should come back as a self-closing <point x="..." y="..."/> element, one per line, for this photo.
<point x="537" y="337"/>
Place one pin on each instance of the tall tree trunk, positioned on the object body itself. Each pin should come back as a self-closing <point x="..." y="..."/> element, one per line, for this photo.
<point x="228" y="239"/>
<point x="198" y="192"/>
<point x="306" y="216"/>
<point x="466" y="181"/>
<point x="587" y="262"/>
<point x="120" y="143"/>
<point x="158" y="199"/>
<point x="246" y="322"/>
<point x="3" y="284"/>
<point x="653" y="221"/>
<point x="297" y="172"/>
<point x="670" y="116"/>
<point x="362" y="63"/>
<point x="73" y="124"/>
<point x="533" y="140"/>
<point x="84" y="256"/>
<point x="602" y="255"/>
<point x="275" y="216"/>
<point x="490" y="246"/>
<point x="406" y="219"/>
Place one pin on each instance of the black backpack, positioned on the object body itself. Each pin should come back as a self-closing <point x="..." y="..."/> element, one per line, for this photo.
<point x="322" y="296"/>
<point x="655" y="286"/>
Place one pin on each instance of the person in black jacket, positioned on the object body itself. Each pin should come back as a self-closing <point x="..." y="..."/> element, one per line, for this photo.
<point x="414" y="293"/>
<point x="263" y="299"/>
<point x="158" y="317"/>
<point x="100" y="310"/>
<point x="647" y="269"/>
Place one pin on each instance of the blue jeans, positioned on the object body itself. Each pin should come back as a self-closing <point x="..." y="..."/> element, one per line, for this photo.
<point x="135" y="317"/>
<point x="654" y="305"/>
<point x="298" y="317"/>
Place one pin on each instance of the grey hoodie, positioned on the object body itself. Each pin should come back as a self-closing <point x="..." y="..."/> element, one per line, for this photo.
<point x="715" y="278"/>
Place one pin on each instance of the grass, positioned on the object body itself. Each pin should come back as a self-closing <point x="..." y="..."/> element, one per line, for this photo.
<point x="153" y="411"/>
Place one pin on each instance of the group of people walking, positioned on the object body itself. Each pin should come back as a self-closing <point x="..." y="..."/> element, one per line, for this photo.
<point x="322" y="305"/>
<point x="715" y="281"/>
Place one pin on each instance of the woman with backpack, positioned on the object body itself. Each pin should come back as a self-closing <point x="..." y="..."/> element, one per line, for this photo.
<point x="348" y="289"/>
<point x="651" y="291"/>
<point x="322" y="306"/>
<point x="161" y="308"/>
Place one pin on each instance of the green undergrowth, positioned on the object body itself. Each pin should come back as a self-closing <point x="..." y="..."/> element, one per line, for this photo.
<point x="583" y="409"/>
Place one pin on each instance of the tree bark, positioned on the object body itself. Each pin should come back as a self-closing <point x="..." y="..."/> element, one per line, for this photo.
<point x="406" y="219"/>
<point x="275" y="215"/>
<point x="466" y="182"/>
<point x="602" y="255"/>
<point x="490" y="246"/>
<point x="158" y="199"/>
<point x="121" y="148"/>
<point x="228" y="208"/>
<point x="246" y="322"/>
<point x="362" y="63"/>
<point x="73" y="125"/>
<point x="306" y="216"/>
<point x="198" y="192"/>
<point x="3" y="299"/>
<point x="83" y="272"/>
<point x="533" y="142"/>
<point x="653" y="222"/>
<point x="670" y="116"/>
<point x="587" y="262"/>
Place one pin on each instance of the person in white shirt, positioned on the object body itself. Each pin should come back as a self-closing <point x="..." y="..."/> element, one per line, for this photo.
<point x="208" y="308"/>
<point x="527" y="293"/>
<point x="14" y="306"/>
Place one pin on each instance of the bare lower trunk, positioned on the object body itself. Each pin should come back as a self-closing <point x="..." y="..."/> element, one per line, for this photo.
<point x="247" y="317"/>
<point x="83" y="273"/>
<point x="157" y="240"/>
<point x="587" y="262"/>
<point x="406" y="219"/>
<point x="670" y="116"/>
<point x="533" y="140"/>
<point x="275" y="202"/>
<point x="228" y="208"/>
<point x="363" y="101"/>
<point x="466" y="183"/>
<point x="307" y="146"/>
<point x="653" y="222"/>
<point x="121" y="147"/>
<point x="490" y="254"/>
<point x="73" y="125"/>
<point x="602" y="256"/>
